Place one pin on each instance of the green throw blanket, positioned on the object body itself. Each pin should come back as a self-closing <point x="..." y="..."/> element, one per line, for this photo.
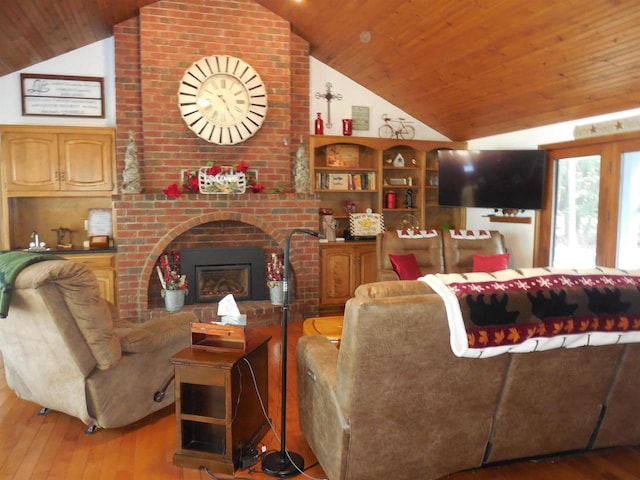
<point x="11" y="264"/>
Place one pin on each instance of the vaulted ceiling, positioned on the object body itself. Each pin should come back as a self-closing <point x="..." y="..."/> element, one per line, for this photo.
<point x="467" y="68"/>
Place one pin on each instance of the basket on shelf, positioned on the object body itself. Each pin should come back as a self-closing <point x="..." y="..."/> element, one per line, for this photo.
<point x="226" y="181"/>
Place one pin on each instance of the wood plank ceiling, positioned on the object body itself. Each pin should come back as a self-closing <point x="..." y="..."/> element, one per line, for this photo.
<point x="467" y="68"/>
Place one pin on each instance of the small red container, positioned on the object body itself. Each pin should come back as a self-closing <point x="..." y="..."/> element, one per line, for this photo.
<point x="390" y="200"/>
<point x="347" y="127"/>
<point x="319" y="125"/>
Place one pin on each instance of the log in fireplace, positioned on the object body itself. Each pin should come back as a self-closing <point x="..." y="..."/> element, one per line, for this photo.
<point x="214" y="272"/>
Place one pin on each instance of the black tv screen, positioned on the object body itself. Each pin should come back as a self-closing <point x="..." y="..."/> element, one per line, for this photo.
<point x="491" y="178"/>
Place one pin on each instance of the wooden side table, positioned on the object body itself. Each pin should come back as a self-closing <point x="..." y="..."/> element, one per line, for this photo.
<point x="218" y="413"/>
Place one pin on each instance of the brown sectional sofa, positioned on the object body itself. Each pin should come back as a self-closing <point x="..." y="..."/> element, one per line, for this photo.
<point x="439" y="254"/>
<point x="395" y="402"/>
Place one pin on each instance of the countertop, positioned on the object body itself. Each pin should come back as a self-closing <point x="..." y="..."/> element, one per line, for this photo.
<point x="73" y="251"/>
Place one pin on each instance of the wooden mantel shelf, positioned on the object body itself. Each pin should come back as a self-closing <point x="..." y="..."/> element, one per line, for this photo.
<point x="509" y="219"/>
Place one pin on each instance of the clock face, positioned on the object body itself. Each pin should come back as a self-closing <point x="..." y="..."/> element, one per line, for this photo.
<point x="222" y="99"/>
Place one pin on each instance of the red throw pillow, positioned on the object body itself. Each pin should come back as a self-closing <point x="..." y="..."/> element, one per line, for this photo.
<point x="406" y="266"/>
<point x="490" y="263"/>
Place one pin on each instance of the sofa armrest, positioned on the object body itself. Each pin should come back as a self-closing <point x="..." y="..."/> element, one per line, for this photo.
<point x="392" y="289"/>
<point x="321" y="419"/>
<point x="387" y="275"/>
<point x="155" y="333"/>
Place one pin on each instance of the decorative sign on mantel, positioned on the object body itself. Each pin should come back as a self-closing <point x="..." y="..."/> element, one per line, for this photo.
<point x="62" y="96"/>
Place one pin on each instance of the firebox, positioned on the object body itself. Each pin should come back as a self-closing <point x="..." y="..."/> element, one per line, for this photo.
<point x="212" y="273"/>
<point x="213" y="283"/>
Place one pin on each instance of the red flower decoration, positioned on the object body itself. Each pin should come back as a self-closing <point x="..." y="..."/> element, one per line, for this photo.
<point x="242" y="167"/>
<point x="169" y="272"/>
<point x="256" y="187"/>
<point x="172" y="191"/>
<point x="192" y="184"/>
<point x="214" y="170"/>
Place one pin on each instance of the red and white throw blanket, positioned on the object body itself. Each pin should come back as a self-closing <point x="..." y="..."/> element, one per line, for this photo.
<point x="538" y="309"/>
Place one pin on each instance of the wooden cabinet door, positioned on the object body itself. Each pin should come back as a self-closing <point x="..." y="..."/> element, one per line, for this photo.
<point x="103" y="266"/>
<point x="106" y="284"/>
<point x="343" y="268"/>
<point x="367" y="263"/>
<point x="338" y="274"/>
<point x="30" y="162"/>
<point x="85" y="162"/>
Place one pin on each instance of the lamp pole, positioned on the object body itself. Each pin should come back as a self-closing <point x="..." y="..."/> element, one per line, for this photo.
<point x="283" y="463"/>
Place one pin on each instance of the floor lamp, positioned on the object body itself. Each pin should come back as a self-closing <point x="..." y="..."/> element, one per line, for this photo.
<point x="283" y="463"/>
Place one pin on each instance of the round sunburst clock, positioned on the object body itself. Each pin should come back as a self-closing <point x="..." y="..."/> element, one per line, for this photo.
<point x="222" y="99"/>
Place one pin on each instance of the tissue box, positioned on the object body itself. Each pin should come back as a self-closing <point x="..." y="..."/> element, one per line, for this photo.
<point x="218" y="338"/>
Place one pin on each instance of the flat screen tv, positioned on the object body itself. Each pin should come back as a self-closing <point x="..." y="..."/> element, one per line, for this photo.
<point x="511" y="179"/>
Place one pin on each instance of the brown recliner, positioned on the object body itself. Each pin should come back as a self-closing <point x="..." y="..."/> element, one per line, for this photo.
<point x="428" y="253"/>
<point x="459" y="252"/>
<point x="65" y="349"/>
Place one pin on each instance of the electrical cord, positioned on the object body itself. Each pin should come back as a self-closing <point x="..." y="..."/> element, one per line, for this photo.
<point x="275" y="434"/>
<point x="235" y="413"/>
<point x="264" y="410"/>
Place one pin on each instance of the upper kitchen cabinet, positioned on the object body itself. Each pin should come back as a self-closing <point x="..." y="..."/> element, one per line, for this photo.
<point x="57" y="161"/>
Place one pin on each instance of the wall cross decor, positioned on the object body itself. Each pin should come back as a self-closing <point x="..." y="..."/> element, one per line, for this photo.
<point x="328" y="96"/>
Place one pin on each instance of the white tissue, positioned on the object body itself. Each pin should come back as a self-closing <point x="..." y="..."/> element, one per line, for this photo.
<point x="228" y="310"/>
<point x="227" y="306"/>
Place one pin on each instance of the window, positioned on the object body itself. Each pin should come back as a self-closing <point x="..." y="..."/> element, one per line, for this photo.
<point x="575" y="219"/>
<point x="628" y="251"/>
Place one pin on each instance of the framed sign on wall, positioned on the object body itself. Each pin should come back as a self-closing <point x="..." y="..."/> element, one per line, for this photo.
<point x="62" y="96"/>
<point x="360" y="117"/>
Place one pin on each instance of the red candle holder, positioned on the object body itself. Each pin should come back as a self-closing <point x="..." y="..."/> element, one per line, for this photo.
<point x="347" y="126"/>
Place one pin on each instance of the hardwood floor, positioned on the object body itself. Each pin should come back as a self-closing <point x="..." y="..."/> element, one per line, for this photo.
<point x="54" y="446"/>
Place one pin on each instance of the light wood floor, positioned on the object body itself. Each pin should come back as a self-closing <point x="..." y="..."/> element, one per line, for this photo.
<point x="55" y="446"/>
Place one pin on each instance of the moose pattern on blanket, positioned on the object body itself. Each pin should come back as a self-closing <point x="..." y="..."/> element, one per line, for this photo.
<point x="539" y="309"/>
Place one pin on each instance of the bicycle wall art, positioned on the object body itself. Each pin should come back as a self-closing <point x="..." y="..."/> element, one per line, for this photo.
<point x="400" y="128"/>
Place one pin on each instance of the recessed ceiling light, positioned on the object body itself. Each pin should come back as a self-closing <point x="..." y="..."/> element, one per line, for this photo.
<point x="365" y="36"/>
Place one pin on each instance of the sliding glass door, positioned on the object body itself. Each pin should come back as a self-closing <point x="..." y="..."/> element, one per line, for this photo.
<point x="628" y="251"/>
<point x="591" y="215"/>
<point x="575" y="213"/>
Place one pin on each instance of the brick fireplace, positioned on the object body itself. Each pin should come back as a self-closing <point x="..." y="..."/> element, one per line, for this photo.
<point x="152" y="51"/>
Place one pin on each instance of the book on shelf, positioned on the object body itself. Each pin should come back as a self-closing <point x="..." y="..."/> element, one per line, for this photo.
<point x="345" y="181"/>
<point x="339" y="181"/>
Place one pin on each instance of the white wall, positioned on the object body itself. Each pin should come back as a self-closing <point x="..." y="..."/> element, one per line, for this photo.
<point x="354" y="94"/>
<point x="94" y="60"/>
<point x="98" y="60"/>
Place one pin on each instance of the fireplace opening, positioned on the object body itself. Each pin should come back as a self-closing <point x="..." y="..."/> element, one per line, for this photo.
<point x="214" y="272"/>
<point x="215" y="282"/>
